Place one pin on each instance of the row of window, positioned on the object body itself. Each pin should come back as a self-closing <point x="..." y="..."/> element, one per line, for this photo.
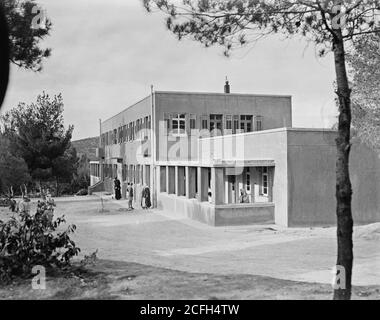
<point x="129" y="132"/>
<point x="178" y="123"/>
<point x="131" y="173"/>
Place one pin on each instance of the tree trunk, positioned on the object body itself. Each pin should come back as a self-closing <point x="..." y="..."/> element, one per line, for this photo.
<point x="342" y="289"/>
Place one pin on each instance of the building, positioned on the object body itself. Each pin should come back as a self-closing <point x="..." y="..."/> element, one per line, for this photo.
<point x="198" y="151"/>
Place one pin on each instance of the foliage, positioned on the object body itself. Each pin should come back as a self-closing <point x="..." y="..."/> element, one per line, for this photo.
<point x="234" y="23"/>
<point x="27" y="241"/>
<point x="25" y="50"/>
<point x="13" y="169"/>
<point x="365" y="67"/>
<point x="37" y="135"/>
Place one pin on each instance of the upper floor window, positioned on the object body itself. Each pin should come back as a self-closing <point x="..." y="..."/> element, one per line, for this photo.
<point x="236" y="124"/>
<point x="246" y="123"/>
<point x="228" y="122"/>
<point x="216" y="124"/>
<point x="204" y="122"/>
<point x="179" y="123"/>
<point x="115" y="136"/>
<point x="259" y="123"/>
<point x="193" y="121"/>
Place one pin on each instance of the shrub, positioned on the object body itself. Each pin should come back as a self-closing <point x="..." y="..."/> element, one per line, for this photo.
<point x="27" y="241"/>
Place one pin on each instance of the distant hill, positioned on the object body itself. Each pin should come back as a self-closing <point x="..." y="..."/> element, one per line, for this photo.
<point x="86" y="146"/>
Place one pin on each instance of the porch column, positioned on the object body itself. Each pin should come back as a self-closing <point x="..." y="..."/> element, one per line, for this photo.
<point x="202" y="184"/>
<point x="176" y="181"/>
<point x="217" y="185"/>
<point x="167" y="180"/>
<point x="190" y="182"/>
<point x="270" y="183"/>
<point x="172" y="182"/>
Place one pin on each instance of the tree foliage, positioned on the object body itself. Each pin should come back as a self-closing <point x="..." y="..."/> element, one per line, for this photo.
<point x="25" y="40"/>
<point x="38" y="135"/>
<point x="365" y="67"/>
<point x="330" y="24"/>
<point x="13" y="169"/>
<point x="233" y="23"/>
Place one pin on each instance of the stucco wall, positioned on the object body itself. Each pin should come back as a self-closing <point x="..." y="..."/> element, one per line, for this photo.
<point x="261" y="145"/>
<point x="275" y="110"/>
<point x="131" y="151"/>
<point x="216" y="215"/>
<point x="311" y="173"/>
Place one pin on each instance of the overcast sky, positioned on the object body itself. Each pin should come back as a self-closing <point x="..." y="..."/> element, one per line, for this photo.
<point x="106" y="54"/>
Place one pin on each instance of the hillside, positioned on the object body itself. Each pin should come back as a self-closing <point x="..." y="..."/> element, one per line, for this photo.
<point x="86" y="146"/>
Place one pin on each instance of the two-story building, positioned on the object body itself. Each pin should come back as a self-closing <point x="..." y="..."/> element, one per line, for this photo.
<point x="199" y="152"/>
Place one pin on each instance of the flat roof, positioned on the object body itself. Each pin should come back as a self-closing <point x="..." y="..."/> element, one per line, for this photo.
<point x="224" y="94"/>
<point x="201" y="94"/>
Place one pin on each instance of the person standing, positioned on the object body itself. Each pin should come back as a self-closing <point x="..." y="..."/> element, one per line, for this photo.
<point x="130" y="196"/>
<point x="147" y="198"/>
<point x="117" y="187"/>
<point x="143" y="198"/>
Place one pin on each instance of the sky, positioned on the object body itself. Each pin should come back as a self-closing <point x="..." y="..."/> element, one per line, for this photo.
<point x="107" y="54"/>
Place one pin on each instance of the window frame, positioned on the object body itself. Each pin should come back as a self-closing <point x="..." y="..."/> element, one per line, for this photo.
<point x="265" y="174"/>
<point x="177" y="118"/>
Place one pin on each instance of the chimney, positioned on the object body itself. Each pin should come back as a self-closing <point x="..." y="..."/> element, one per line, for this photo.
<point x="227" y="87"/>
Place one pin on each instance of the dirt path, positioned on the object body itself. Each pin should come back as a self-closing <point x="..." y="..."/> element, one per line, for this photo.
<point x="171" y="256"/>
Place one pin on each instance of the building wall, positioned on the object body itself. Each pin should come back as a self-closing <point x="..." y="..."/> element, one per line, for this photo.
<point x="311" y="176"/>
<point x="261" y="145"/>
<point x="274" y="110"/>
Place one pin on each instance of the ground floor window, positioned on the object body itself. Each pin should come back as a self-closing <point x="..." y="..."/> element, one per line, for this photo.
<point x="264" y="181"/>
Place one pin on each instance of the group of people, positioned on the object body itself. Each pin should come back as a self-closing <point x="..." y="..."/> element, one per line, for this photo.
<point x="45" y="206"/>
<point x="130" y="194"/>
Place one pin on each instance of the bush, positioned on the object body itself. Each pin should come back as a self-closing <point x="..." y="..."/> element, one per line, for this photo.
<point x="27" y="241"/>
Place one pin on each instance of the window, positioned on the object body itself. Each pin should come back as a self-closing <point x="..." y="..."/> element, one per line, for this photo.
<point x="264" y="181"/>
<point x="216" y="124"/>
<point x="204" y="123"/>
<point x="193" y="121"/>
<point x="248" y="179"/>
<point x="124" y="134"/>
<point x="259" y="123"/>
<point x="228" y="122"/>
<point x="114" y="136"/>
<point x="179" y="123"/>
<point x="167" y="123"/>
<point x="236" y="124"/>
<point x="246" y="123"/>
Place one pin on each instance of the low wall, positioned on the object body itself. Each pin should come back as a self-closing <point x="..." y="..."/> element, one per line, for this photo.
<point x="244" y="214"/>
<point x="222" y="215"/>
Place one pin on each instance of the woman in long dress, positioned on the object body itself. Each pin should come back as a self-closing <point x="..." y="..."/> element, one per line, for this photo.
<point x="117" y="187"/>
<point x="145" y="198"/>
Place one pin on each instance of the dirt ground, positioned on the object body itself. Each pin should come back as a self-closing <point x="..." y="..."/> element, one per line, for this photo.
<point x="155" y="255"/>
<point x="122" y="280"/>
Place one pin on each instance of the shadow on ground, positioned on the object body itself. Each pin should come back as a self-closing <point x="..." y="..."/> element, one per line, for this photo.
<point x="109" y="279"/>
